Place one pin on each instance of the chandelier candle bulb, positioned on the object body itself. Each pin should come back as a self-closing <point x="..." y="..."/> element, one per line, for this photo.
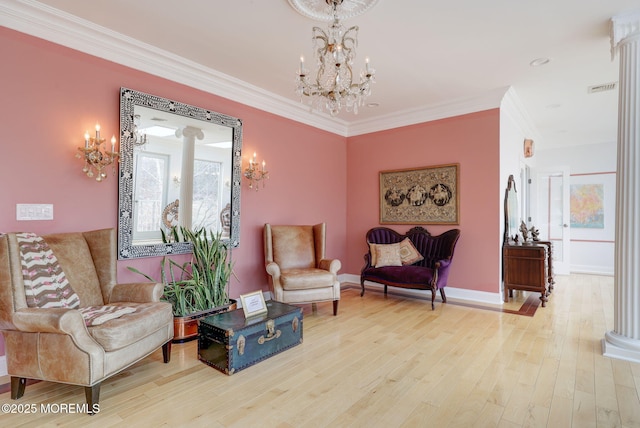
<point x="113" y="144"/>
<point x="97" y="132"/>
<point x="86" y="139"/>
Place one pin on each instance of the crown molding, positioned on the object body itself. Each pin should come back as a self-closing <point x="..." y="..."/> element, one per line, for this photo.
<point x="42" y="21"/>
<point x="45" y="22"/>
<point x="407" y="117"/>
<point x="515" y="110"/>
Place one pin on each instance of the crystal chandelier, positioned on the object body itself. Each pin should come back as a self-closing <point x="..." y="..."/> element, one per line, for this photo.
<point x="97" y="158"/>
<point x="333" y="86"/>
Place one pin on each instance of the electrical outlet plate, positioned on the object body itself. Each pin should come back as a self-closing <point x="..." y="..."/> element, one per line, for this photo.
<point x="34" y="211"/>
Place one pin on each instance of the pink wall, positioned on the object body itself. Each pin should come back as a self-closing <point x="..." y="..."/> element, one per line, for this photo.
<point x="51" y="95"/>
<point x="472" y="141"/>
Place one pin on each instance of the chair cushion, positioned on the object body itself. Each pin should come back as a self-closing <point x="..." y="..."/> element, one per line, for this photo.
<point x="45" y="284"/>
<point x="401" y="274"/>
<point x="301" y="279"/>
<point x="120" y="332"/>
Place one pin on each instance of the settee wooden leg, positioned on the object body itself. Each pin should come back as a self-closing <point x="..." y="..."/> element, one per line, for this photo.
<point x="362" y="285"/>
<point x="433" y="298"/>
<point x="335" y="307"/>
<point x="17" y="387"/>
<point x="166" y="352"/>
<point x="92" y="394"/>
<point x="444" y="298"/>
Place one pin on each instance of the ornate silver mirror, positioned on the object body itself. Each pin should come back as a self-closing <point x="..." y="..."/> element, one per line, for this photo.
<point x="180" y="165"/>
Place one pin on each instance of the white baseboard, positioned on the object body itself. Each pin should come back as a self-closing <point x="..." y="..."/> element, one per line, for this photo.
<point x="592" y="270"/>
<point x="3" y="365"/>
<point x="452" y="292"/>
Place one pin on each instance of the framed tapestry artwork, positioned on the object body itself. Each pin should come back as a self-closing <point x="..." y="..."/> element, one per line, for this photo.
<point x="427" y="195"/>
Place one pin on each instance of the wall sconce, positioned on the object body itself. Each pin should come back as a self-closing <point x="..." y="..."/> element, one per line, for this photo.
<point x="96" y="158"/>
<point x="254" y="175"/>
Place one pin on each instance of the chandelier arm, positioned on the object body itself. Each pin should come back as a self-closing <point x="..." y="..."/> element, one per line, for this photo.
<point x="319" y="75"/>
<point x="353" y="39"/>
<point x="319" y="33"/>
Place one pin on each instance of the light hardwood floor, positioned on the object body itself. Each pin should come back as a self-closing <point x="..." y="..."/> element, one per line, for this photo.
<point x="388" y="362"/>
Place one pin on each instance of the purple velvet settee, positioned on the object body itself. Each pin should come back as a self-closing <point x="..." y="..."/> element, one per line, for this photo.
<point x="428" y="270"/>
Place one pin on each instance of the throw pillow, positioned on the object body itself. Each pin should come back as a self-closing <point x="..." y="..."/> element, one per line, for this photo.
<point x="408" y="253"/>
<point x="388" y="255"/>
<point x="374" y="253"/>
<point x="45" y="284"/>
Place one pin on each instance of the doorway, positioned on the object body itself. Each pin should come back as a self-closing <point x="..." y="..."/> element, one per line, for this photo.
<point x="552" y="214"/>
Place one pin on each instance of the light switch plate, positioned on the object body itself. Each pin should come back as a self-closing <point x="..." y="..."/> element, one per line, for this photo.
<point x="34" y="211"/>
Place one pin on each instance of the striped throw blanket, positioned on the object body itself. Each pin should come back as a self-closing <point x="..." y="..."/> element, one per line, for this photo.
<point x="45" y="283"/>
<point x="96" y="315"/>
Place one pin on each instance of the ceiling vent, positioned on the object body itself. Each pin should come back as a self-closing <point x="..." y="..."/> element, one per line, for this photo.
<point x="602" y="88"/>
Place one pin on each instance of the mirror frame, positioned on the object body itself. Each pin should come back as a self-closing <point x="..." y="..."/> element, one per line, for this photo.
<point x="130" y="98"/>
<point x="510" y="194"/>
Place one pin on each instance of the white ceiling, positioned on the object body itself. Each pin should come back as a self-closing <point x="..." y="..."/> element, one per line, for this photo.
<point x="430" y="56"/>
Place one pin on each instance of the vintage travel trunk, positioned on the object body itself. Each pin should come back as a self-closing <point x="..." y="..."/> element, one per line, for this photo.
<point x="230" y="343"/>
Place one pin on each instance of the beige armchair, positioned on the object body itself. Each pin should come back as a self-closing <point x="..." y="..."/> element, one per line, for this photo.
<point x="296" y="264"/>
<point x="60" y="344"/>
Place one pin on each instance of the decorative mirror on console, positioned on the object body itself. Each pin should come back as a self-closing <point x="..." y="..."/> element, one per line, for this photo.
<point x="526" y="265"/>
<point x="511" y="216"/>
<point x="179" y="165"/>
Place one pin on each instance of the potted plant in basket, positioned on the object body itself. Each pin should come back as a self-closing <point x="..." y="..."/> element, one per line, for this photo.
<point x="198" y="287"/>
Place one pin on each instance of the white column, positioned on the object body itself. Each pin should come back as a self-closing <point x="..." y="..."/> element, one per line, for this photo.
<point x="189" y="135"/>
<point x="623" y="341"/>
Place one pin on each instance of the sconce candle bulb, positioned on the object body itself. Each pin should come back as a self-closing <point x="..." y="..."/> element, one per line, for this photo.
<point x="254" y="175"/>
<point x="97" y="158"/>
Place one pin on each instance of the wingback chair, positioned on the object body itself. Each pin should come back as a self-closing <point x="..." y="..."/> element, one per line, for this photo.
<point x="71" y="342"/>
<point x="296" y="264"/>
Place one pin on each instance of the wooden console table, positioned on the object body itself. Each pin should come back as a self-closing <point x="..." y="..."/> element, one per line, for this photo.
<point x="527" y="267"/>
